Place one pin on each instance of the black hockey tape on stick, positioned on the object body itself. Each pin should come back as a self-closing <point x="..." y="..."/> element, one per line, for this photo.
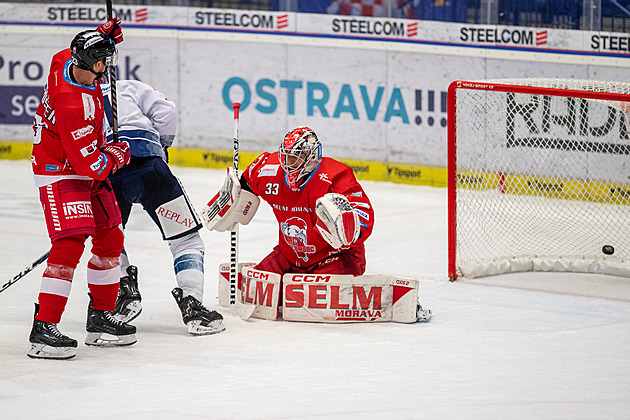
<point x="234" y="233"/>
<point x="25" y="271"/>
<point x="112" y="83"/>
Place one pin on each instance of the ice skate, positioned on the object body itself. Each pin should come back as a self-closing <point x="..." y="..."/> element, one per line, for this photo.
<point x="106" y="331"/>
<point x="47" y="342"/>
<point x="198" y="318"/>
<point x="423" y="315"/>
<point x="128" y="305"/>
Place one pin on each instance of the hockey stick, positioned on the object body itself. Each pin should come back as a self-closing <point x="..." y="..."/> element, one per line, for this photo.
<point x="234" y="232"/>
<point x="112" y="83"/>
<point x="25" y="271"/>
<point x="236" y="305"/>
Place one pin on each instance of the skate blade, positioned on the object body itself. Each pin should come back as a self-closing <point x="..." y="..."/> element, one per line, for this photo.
<point x="198" y="327"/>
<point x="424" y="315"/>
<point x="131" y="312"/>
<point x="42" y="351"/>
<point x="109" y="340"/>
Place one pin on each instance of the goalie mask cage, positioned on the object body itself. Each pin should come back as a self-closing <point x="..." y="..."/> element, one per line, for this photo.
<point x="538" y="177"/>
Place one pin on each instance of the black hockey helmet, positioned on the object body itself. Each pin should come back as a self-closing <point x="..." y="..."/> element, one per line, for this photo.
<point x="89" y="47"/>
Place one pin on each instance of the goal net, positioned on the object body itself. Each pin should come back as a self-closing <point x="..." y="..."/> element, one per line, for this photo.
<point x="538" y="176"/>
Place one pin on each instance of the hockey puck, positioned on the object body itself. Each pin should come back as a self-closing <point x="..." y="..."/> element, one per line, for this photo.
<point x="608" y="249"/>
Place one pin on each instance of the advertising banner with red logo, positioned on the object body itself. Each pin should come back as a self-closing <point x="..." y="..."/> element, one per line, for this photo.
<point x="373" y="89"/>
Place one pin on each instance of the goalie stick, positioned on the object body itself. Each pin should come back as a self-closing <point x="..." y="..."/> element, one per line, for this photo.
<point x="25" y="271"/>
<point x="236" y="305"/>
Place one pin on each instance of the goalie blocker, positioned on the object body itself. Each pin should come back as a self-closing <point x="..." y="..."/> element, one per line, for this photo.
<point x="231" y="205"/>
<point x="325" y="297"/>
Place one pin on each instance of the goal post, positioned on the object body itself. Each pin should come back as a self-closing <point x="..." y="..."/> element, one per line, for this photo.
<point x="538" y="177"/>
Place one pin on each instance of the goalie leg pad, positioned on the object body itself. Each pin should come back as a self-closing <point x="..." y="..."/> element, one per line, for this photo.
<point x="255" y="288"/>
<point x="404" y="298"/>
<point x="262" y="289"/>
<point x="344" y="298"/>
<point x="224" y="281"/>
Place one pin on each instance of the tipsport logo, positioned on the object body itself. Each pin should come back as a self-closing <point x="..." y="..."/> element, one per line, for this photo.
<point x="422" y="107"/>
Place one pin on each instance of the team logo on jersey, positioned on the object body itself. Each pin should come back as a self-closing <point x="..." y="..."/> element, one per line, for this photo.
<point x="294" y="231"/>
<point x="89" y="108"/>
<point x="82" y="132"/>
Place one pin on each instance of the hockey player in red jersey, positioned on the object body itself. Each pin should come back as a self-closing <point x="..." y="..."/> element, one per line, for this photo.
<point x="323" y="214"/>
<point x="324" y="218"/>
<point x="71" y="162"/>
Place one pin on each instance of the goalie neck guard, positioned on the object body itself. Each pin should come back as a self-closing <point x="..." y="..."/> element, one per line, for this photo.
<point x="300" y="154"/>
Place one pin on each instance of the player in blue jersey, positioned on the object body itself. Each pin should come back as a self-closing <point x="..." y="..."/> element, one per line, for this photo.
<point x="147" y="120"/>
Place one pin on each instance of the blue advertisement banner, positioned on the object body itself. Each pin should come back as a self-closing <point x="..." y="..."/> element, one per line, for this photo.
<point x="18" y="104"/>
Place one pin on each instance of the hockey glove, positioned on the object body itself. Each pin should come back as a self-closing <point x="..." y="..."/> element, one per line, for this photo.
<point x="338" y="224"/>
<point x="230" y="205"/>
<point x="112" y="30"/>
<point x="118" y="153"/>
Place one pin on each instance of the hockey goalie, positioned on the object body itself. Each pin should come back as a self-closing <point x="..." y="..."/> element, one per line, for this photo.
<point x="316" y="272"/>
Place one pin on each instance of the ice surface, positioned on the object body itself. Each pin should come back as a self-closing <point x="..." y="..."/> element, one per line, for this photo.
<point x="521" y="346"/>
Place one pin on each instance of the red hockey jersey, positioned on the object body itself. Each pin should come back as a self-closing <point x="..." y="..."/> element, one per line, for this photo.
<point x="300" y="241"/>
<point x="68" y="128"/>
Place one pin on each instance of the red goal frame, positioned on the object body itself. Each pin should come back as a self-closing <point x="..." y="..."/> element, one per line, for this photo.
<point x="452" y="141"/>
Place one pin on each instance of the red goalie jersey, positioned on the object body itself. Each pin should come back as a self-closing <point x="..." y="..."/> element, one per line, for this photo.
<point x="69" y="128"/>
<point x="299" y="240"/>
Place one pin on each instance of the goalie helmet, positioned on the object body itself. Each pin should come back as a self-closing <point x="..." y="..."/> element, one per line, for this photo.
<point x="89" y="47"/>
<point x="300" y="154"/>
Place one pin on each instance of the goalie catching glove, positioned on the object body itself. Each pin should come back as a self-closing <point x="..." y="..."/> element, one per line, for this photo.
<point x="338" y="224"/>
<point x="230" y="205"/>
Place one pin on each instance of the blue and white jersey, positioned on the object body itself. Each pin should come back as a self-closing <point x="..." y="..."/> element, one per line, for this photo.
<point x="146" y="119"/>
